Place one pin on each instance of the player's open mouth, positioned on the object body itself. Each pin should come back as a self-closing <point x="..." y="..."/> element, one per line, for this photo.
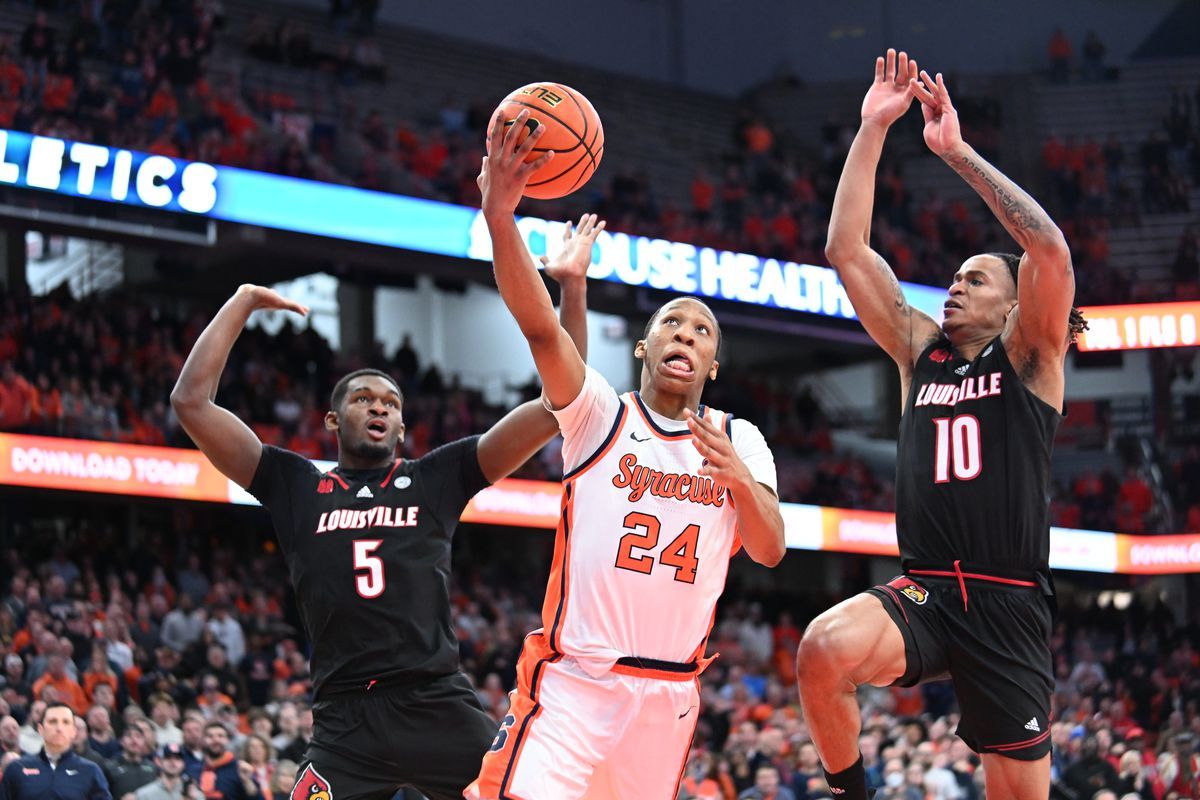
<point x="377" y="429"/>
<point x="678" y="364"/>
<point x="951" y="305"/>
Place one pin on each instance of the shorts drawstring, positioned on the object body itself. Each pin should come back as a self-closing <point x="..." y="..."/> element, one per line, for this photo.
<point x="962" y="583"/>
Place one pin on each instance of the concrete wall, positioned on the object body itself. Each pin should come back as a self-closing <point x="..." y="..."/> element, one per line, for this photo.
<point x="725" y="47"/>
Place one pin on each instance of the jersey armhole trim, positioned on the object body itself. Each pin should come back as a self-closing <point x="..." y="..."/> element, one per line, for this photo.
<point x="341" y="481"/>
<point x="618" y="423"/>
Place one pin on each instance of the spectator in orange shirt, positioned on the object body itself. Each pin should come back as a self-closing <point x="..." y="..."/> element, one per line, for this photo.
<point x="211" y="698"/>
<point x="15" y="400"/>
<point x="703" y="194"/>
<point x="98" y="671"/>
<point x="1059" y="51"/>
<point x="67" y="690"/>
<point x="46" y="406"/>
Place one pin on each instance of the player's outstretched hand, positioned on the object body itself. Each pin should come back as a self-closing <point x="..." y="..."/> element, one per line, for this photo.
<point x="265" y="299"/>
<point x="942" y="132"/>
<point x="891" y="94"/>
<point x="576" y="256"/>
<point x="721" y="461"/>
<point x="505" y="171"/>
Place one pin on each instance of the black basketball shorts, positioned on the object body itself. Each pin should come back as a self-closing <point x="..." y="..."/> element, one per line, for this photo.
<point x="367" y="745"/>
<point x="992" y="641"/>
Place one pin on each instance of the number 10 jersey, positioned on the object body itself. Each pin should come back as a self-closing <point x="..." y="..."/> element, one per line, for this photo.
<point x="973" y="465"/>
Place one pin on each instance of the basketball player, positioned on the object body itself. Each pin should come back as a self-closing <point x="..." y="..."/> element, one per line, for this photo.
<point x="982" y="398"/>
<point x="659" y="493"/>
<point x="367" y="546"/>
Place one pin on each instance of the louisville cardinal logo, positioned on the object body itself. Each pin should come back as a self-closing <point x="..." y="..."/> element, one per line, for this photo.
<point x="311" y="786"/>
<point x="910" y="589"/>
<point x="939" y="356"/>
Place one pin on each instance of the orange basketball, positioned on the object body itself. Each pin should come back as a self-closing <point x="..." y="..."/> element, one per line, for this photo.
<point x="573" y="132"/>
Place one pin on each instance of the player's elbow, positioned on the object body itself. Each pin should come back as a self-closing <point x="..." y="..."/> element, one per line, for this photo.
<point x="769" y="553"/>
<point x="1052" y="248"/>
<point x="187" y="403"/>
<point x="841" y="249"/>
<point x="183" y="399"/>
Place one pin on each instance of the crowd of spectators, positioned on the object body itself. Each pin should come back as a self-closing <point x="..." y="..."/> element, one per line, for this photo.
<point x="151" y="645"/>
<point x="1096" y="185"/>
<point x="103" y="368"/>
<point x="139" y="75"/>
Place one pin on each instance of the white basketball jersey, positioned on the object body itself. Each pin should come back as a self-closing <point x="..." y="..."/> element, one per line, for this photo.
<point x="643" y="542"/>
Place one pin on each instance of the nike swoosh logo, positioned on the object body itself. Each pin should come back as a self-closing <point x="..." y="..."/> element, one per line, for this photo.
<point x="633" y="436"/>
<point x="684" y="714"/>
<point x="72" y="772"/>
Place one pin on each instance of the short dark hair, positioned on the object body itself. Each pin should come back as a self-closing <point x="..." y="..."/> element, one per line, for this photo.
<point x="694" y="299"/>
<point x="215" y="724"/>
<point x="342" y="386"/>
<point x="1076" y="324"/>
<point x="57" y="704"/>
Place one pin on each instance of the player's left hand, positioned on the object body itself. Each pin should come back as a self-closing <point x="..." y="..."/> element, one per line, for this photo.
<point x="576" y="256"/>
<point x="942" y="132"/>
<point x="721" y="461"/>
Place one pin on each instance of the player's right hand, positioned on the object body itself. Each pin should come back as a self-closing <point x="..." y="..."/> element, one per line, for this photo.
<point x="505" y="172"/>
<point x="890" y="95"/>
<point x="264" y="299"/>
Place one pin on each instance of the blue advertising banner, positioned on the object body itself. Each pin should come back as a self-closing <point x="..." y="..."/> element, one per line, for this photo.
<point x="114" y="175"/>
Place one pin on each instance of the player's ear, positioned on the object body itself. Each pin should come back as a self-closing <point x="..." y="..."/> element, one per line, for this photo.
<point x="712" y="371"/>
<point x="331" y="421"/>
<point x="401" y="439"/>
<point x="639" y="349"/>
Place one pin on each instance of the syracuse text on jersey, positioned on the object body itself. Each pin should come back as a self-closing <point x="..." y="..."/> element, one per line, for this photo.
<point x="640" y="479"/>
<point x="948" y="394"/>
<point x="350" y="519"/>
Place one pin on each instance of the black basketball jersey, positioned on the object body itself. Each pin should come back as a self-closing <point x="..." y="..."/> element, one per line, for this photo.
<point x="973" y="465"/>
<point x="368" y="552"/>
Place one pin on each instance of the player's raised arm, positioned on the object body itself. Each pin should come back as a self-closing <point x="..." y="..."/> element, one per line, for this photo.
<point x="1046" y="279"/>
<point x="870" y="283"/>
<point x="527" y="428"/>
<point x="228" y="442"/>
<point x="502" y="181"/>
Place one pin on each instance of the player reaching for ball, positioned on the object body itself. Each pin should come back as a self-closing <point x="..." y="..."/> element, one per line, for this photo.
<point x="659" y="493"/>
<point x="982" y="398"/>
<point x="367" y="546"/>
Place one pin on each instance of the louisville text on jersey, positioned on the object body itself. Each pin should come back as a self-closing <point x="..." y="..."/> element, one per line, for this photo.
<point x="640" y="479"/>
<point x="948" y="394"/>
<point x="349" y="519"/>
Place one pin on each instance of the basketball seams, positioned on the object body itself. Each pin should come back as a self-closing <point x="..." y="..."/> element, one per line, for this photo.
<point x="551" y="115"/>
<point x="585" y="115"/>
<point x="587" y="162"/>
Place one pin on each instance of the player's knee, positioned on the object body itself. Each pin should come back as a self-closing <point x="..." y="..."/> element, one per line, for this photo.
<point x="826" y="649"/>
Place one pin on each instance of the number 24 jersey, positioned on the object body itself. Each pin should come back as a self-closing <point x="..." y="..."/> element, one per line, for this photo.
<point x="644" y="540"/>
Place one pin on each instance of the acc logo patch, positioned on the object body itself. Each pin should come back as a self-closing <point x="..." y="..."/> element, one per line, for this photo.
<point x="910" y="589"/>
<point x="939" y="356"/>
<point x="311" y="786"/>
<point x="403" y="482"/>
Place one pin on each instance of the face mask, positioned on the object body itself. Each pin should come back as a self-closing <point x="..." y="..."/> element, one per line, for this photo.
<point x="894" y="779"/>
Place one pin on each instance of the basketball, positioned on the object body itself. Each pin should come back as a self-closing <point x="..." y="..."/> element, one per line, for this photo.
<point x="573" y="132"/>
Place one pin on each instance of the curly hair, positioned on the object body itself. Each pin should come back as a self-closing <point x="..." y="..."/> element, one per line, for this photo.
<point x="1076" y="323"/>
